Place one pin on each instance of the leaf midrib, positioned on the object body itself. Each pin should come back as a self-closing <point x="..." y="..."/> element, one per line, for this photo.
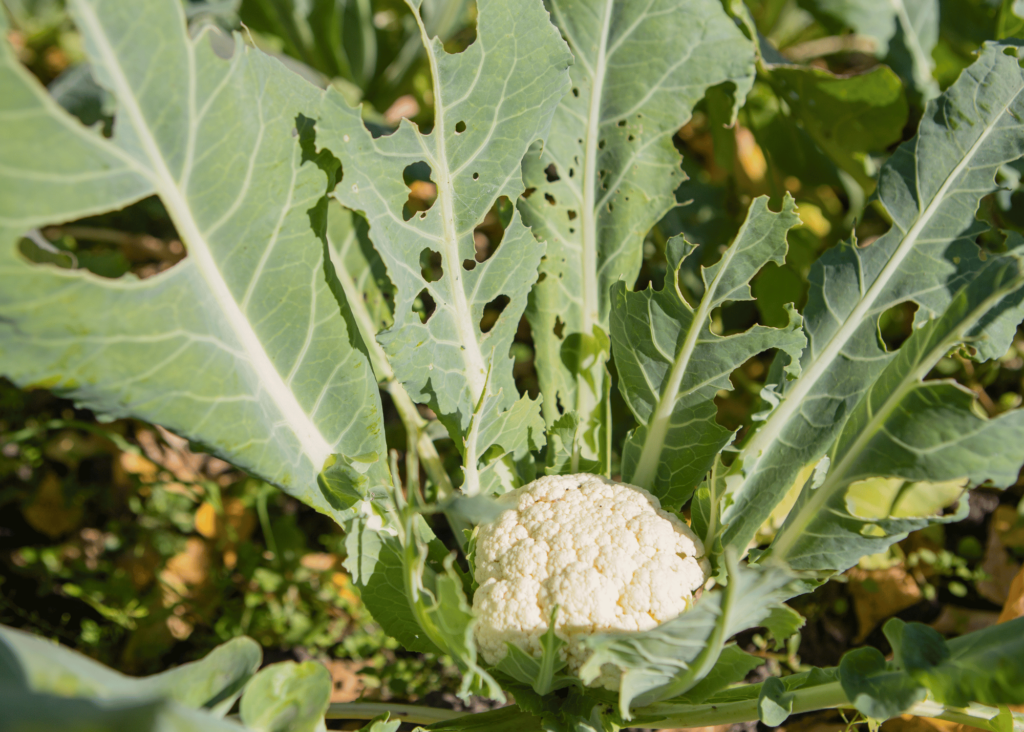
<point x="476" y="371"/>
<point x="591" y="315"/>
<point x="657" y="428"/>
<point x="312" y="442"/>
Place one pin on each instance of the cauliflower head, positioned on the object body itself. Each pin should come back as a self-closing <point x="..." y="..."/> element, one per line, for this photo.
<point x="604" y="552"/>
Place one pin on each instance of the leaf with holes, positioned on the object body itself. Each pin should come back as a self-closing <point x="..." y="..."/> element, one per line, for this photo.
<point x="491" y="102"/>
<point x="239" y="347"/>
<point x="913" y="430"/>
<point x="671" y="365"/>
<point x="930" y="188"/>
<point x="608" y="172"/>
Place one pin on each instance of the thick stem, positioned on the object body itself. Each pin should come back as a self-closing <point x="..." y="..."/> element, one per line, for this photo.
<point x="406" y="407"/>
<point x="825" y="696"/>
<point x="405" y="712"/>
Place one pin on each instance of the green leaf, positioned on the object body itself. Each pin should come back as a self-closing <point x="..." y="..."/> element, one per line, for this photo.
<point x="442" y="610"/>
<point x="239" y="347"/>
<point x="347" y="483"/>
<point x="565" y="447"/>
<point x="29" y="712"/>
<point x="381" y="724"/>
<point x="541" y="674"/>
<point x="912" y="429"/>
<point x="847" y="116"/>
<point x="503" y="719"/>
<point x="672" y="658"/>
<point x="1010" y="23"/>
<point x="480" y="134"/>
<point x="904" y="31"/>
<point x="874" y="689"/>
<point x="985" y="666"/>
<point x="213" y="682"/>
<point x="671" y="365"/>
<point x="732" y="667"/>
<point x="376" y="562"/>
<point x="931" y="188"/>
<point x="775" y="704"/>
<point x="782" y="622"/>
<point x="479" y="509"/>
<point x="287" y="697"/>
<point x="608" y="172"/>
<point x="359" y="267"/>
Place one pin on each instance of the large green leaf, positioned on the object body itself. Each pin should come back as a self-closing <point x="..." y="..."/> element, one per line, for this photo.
<point x="241" y="346"/>
<point x="914" y="430"/>
<point x="931" y="188"/>
<point x="481" y="132"/>
<point x="212" y="683"/>
<point x="671" y="365"/>
<point x="608" y="172"/>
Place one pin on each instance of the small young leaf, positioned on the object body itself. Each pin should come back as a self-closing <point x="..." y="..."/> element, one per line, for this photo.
<point x="381" y="724"/>
<point x="540" y="674"/>
<point x="287" y="697"/>
<point x="775" y="704"/>
<point x="781" y="623"/>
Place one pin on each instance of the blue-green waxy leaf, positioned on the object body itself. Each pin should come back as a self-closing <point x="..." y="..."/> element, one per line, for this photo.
<point x="212" y="683"/>
<point x="671" y="365"/>
<point x="608" y="172"/>
<point x="287" y="697"/>
<point x="931" y="188"/>
<point x="241" y="346"/>
<point x="913" y="430"/>
<point x="473" y="154"/>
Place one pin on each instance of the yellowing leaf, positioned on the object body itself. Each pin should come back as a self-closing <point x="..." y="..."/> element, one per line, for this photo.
<point x="206" y="520"/>
<point x="49" y="513"/>
<point x="879" y="498"/>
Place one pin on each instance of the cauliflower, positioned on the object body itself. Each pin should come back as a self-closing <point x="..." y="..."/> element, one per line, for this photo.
<point x="604" y="552"/>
